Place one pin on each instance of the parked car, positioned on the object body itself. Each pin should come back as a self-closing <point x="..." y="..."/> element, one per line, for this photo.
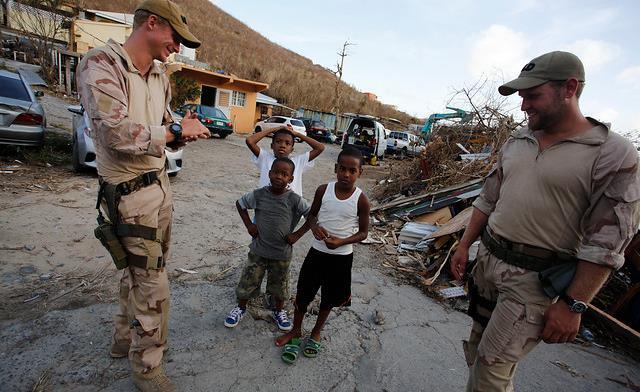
<point x="367" y="135"/>
<point x="83" y="154"/>
<point x="211" y="117"/>
<point x="22" y="118"/>
<point x="317" y="130"/>
<point x="405" y="143"/>
<point x="278" y="121"/>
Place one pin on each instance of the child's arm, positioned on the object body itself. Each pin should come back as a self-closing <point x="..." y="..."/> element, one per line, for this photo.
<point x="316" y="146"/>
<point x="363" y="226"/>
<point x="244" y="215"/>
<point x="311" y="219"/>
<point x="252" y="141"/>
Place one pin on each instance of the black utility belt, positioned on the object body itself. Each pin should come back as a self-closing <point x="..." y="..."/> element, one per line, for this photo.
<point x="524" y="256"/>
<point x="144" y="180"/>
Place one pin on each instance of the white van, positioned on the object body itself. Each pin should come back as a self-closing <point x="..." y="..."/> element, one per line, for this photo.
<point x="405" y="143"/>
<point x="367" y="135"/>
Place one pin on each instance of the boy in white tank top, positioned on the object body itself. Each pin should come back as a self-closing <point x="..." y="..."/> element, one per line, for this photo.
<point x="342" y="212"/>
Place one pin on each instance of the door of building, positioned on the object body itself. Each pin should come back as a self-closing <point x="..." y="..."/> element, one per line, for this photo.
<point x="224" y="102"/>
<point x="208" y="96"/>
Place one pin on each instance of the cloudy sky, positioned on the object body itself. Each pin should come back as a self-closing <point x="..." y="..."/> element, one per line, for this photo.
<point x="415" y="53"/>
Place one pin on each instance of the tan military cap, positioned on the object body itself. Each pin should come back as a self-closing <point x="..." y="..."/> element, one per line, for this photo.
<point x="550" y="66"/>
<point x="176" y="18"/>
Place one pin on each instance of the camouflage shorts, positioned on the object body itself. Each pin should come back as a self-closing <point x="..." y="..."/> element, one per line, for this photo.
<point x="253" y="274"/>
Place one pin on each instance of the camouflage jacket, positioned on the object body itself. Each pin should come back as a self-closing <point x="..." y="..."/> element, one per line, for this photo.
<point x="127" y="110"/>
<point x="580" y="196"/>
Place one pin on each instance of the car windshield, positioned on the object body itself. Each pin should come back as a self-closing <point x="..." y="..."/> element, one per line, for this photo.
<point x="297" y="123"/>
<point x="210" y="111"/>
<point x="14" y="89"/>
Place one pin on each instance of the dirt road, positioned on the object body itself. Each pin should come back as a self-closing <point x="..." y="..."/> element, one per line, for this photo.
<point x="58" y="290"/>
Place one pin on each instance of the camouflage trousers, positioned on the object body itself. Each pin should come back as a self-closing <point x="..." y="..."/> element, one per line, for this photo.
<point x="514" y="324"/>
<point x="253" y="274"/>
<point x="143" y="316"/>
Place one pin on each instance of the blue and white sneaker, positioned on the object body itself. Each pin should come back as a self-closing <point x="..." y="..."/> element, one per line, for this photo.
<point x="282" y="320"/>
<point x="234" y="317"/>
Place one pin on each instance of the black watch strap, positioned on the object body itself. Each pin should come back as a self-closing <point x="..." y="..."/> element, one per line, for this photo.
<point x="574" y="305"/>
<point x="176" y="130"/>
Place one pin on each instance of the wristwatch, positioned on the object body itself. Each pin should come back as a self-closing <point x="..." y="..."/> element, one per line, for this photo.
<point x="176" y="130"/>
<point x="574" y="305"/>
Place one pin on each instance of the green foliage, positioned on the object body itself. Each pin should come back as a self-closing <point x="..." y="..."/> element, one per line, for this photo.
<point x="182" y="90"/>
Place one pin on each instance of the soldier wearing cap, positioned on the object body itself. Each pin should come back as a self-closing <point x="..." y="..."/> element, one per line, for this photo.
<point x="126" y="93"/>
<point x="554" y="216"/>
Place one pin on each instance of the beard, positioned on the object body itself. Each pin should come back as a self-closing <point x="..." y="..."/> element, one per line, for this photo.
<point x="547" y="117"/>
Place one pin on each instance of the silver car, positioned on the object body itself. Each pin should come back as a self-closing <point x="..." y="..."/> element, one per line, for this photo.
<point x="22" y="119"/>
<point x="84" y="153"/>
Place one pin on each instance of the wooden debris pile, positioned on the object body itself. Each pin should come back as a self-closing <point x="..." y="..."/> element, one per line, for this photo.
<point x="454" y="155"/>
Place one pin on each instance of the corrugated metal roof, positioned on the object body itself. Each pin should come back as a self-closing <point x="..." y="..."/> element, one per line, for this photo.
<point x="119" y="17"/>
<point x="265" y="99"/>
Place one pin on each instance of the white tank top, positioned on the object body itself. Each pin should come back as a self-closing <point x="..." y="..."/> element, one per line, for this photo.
<point x="339" y="218"/>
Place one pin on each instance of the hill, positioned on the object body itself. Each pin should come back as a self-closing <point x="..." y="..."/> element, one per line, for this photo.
<point x="230" y="45"/>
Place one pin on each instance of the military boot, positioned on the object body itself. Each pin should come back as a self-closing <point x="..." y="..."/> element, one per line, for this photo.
<point x="153" y="381"/>
<point x="119" y="349"/>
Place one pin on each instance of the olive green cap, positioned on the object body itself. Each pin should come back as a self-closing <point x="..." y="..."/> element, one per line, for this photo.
<point x="550" y="66"/>
<point x="176" y="18"/>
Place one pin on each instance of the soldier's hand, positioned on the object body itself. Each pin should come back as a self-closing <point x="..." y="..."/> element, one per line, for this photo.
<point x="192" y="128"/>
<point x="253" y="230"/>
<point x="459" y="262"/>
<point x="560" y="324"/>
<point x="319" y="232"/>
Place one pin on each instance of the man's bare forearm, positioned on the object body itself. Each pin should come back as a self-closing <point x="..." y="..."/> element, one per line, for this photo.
<point x="588" y="280"/>
<point x="476" y="224"/>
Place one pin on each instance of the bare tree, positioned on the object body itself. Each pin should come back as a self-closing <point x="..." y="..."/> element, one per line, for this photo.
<point x="337" y="106"/>
<point x="44" y="24"/>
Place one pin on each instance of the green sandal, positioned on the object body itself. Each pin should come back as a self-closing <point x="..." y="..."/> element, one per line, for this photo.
<point x="311" y="348"/>
<point x="291" y="351"/>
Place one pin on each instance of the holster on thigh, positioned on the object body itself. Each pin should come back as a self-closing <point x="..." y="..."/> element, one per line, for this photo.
<point x="480" y="308"/>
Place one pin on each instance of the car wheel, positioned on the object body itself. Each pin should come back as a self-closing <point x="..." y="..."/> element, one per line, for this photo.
<point x="223" y="135"/>
<point x="403" y="153"/>
<point x="258" y="129"/>
<point x="173" y="174"/>
<point x="75" y="159"/>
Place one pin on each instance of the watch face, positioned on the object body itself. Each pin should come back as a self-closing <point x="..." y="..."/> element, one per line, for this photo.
<point x="579" y="307"/>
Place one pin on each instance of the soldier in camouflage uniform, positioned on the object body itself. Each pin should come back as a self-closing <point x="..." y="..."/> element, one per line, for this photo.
<point x="565" y="191"/>
<point x="126" y="93"/>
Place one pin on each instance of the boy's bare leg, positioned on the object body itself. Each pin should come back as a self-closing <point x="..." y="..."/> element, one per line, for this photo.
<point x="323" y="315"/>
<point x="295" y="332"/>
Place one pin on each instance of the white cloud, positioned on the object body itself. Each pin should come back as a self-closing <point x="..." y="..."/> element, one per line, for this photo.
<point x="630" y="76"/>
<point x="605" y="114"/>
<point x="594" y="54"/>
<point x="498" y="49"/>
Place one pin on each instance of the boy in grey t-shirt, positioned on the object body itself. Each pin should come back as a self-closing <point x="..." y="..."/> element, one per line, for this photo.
<point x="278" y="211"/>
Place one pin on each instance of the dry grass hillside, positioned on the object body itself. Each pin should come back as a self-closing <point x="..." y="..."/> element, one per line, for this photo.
<point x="232" y="46"/>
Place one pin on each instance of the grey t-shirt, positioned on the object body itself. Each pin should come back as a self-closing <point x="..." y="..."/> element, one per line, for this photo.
<point x="276" y="216"/>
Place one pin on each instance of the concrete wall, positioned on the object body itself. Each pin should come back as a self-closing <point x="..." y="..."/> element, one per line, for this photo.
<point x="89" y="34"/>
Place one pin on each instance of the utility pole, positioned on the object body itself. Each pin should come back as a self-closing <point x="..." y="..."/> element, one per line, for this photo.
<point x="337" y="106"/>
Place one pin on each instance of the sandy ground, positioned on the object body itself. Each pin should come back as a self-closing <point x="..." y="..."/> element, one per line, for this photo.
<point x="59" y="288"/>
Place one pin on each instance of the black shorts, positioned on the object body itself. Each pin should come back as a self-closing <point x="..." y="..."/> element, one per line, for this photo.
<point x="332" y="273"/>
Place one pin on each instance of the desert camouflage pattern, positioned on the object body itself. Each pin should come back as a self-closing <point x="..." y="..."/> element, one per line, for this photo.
<point x="514" y="327"/>
<point x="580" y="196"/>
<point x="253" y="274"/>
<point x="127" y="112"/>
<point x="144" y="296"/>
